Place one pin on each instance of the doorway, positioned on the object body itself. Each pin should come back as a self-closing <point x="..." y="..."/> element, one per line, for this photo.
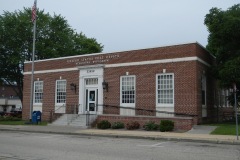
<point x="91" y="90"/>
<point x="91" y="100"/>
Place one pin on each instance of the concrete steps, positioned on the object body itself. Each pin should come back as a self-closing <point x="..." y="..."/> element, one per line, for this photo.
<point x="61" y="121"/>
<point x="78" y="120"/>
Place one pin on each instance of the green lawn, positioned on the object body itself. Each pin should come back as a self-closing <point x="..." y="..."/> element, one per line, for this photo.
<point x="226" y="129"/>
<point x="12" y="122"/>
<point x="17" y="121"/>
<point x="21" y="123"/>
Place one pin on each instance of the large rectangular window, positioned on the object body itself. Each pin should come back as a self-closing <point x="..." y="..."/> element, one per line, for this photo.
<point x="204" y="90"/>
<point x="128" y="90"/>
<point x="38" y="91"/>
<point x="165" y="89"/>
<point x="61" y="91"/>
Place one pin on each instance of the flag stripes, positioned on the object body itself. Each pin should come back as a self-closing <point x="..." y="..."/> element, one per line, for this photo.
<point x="34" y="12"/>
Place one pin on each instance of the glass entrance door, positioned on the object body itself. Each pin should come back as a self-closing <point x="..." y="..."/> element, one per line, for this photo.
<point x="91" y="100"/>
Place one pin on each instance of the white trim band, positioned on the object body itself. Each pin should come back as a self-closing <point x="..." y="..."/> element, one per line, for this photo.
<point x="52" y="71"/>
<point x="185" y="59"/>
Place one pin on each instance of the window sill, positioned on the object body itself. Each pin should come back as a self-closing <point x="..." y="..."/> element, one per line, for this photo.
<point x="130" y="105"/>
<point x="165" y="106"/>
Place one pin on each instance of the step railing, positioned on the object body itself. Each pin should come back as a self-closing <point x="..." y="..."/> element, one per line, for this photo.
<point x="58" y="108"/>
<point x="71" y="112"/>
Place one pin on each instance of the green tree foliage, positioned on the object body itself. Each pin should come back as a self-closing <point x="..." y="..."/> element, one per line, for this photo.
<point x="54" y="38"/>
<point x="224" y="43"/>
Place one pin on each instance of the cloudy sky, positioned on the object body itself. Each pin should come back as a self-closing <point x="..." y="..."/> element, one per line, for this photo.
<point x="131" y="24"/>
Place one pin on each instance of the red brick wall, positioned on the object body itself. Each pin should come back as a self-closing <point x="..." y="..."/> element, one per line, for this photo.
<point x="210" y="86"/>
<point x="204" y="54"/>
<point x="49" y="83"/>
<point x="187" y="79"/>
<point x="168" y="52"/>
<point x="185" y="86"/>
<point x="179" y="123"/>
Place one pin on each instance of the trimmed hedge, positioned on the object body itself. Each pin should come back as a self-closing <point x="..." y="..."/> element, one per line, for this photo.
<point x="132" y="125"/>
<point x="166" y="125"/>
<point x="151" y="126"/>
<point x="117" y="125"/>
<point x="104" y="124"/>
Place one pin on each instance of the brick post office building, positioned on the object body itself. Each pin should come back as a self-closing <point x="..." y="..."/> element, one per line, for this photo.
<point x="170" y="82"/>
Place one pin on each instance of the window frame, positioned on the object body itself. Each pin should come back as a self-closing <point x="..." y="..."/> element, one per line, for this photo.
<point x="121" y="90"/>
<point x="34" y="95"/>
<point x="204" y="90"/>
<point x="173" y="91"/>
<point x="56" y="93"/>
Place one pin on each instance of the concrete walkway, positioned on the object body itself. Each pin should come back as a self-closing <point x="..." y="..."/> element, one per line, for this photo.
<point x="197" y="134"/>
<point x="202" y="129"/>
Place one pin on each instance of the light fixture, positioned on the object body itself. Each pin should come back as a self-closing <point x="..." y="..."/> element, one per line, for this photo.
<point x="73" y="87"/>
<point x="105" y="85"/>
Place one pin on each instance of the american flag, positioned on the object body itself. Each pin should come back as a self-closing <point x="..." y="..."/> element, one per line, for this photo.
<point x="34" y="12"/>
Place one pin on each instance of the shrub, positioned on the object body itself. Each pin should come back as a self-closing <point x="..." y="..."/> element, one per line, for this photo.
<point x="117" y="125"/>
<point x="166" y="125"/>
<point x="104" y="124"/>
<point x="151" y="126"/>
<point x="132" y="125"/>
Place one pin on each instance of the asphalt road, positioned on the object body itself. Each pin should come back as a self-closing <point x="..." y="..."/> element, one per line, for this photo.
<point x="39" y="146"/>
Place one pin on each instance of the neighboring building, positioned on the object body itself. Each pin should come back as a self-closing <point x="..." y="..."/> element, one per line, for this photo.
<point x="224" y="111"/>
<point x="8" y="98"/>
<point x="162" y="82"/>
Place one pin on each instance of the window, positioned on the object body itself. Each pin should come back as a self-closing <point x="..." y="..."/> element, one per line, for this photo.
<point x="128" y="90"/>
<point x="203" y="90"/>
<point x="60" y="91"/>
<point x="38" y="91"/>
<point x="91" y="81"/>
<point x="165" y="90"/>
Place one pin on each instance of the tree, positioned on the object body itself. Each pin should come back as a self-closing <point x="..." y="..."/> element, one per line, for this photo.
<point x="223" y="42"/>
<point x="54" y="38"/>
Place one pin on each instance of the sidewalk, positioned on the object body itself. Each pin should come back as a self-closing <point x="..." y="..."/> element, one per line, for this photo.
<point x="197" y="134"/>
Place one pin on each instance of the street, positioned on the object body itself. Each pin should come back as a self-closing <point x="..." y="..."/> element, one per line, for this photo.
<point x="39" y="146"/>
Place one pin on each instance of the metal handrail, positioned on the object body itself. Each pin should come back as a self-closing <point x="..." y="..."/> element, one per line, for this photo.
<point x="59" y="108"/>
<point x="152" y="111"/>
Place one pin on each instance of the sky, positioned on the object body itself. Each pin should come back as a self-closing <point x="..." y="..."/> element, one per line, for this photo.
<point x="122" y="25"/>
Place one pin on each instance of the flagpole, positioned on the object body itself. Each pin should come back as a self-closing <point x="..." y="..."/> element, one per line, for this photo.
<point x="33" y="57"/>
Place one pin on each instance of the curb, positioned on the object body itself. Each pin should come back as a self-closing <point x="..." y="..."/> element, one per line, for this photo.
<point x="176" y="139"/>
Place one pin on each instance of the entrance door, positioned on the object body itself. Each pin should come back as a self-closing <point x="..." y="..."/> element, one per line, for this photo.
<point x="91" y="100"/>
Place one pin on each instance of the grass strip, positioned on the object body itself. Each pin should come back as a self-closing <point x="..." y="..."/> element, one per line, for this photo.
<point x="21" y="123"/>
<point x="226" y="129"/>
